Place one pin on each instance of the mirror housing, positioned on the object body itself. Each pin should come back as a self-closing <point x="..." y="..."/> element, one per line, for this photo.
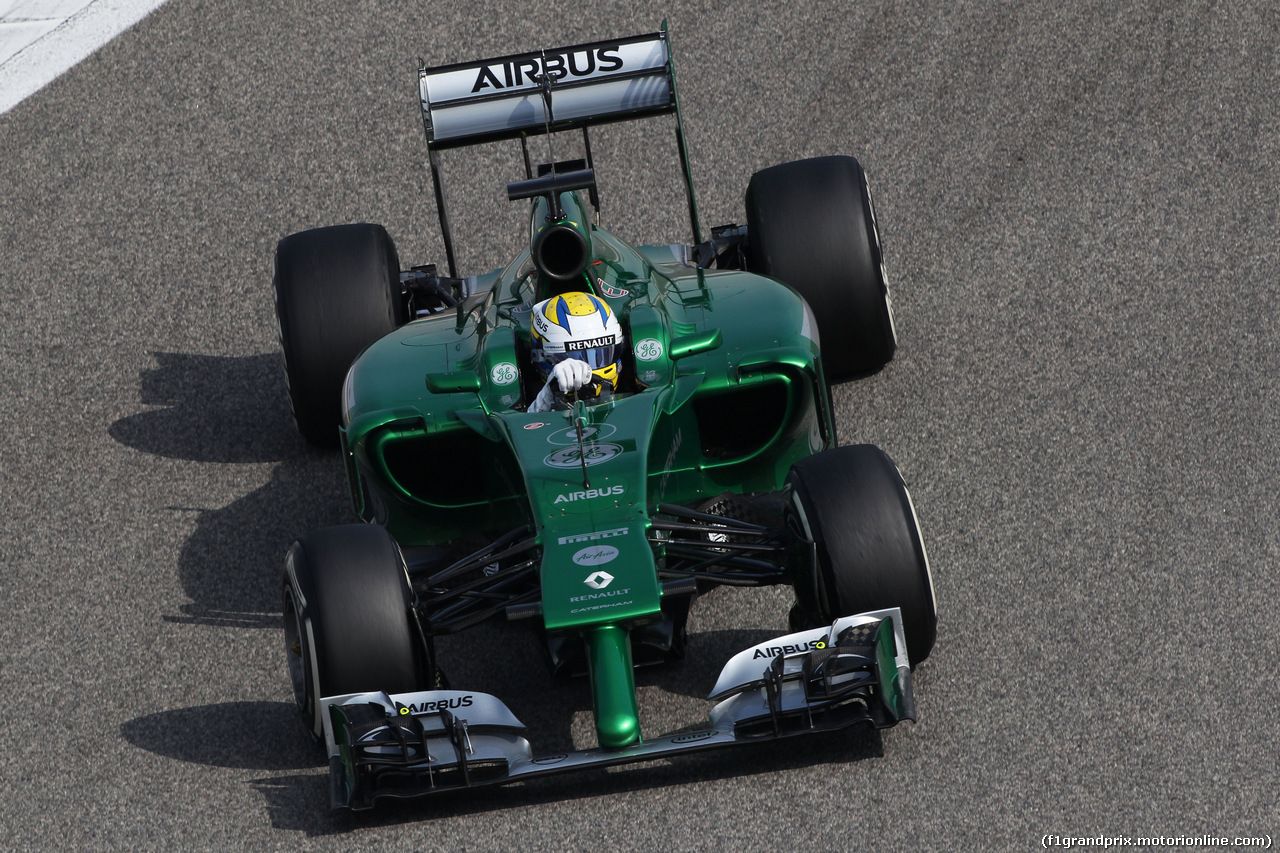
<point x="695" y="344"/>
<point x="455" y="382"/>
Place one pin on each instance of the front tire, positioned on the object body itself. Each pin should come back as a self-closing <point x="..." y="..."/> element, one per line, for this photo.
<point x="337" y="290"/>
<point x="349" y="621"/>
<point x="811" y="225"/>
<point x="868" y="554"/>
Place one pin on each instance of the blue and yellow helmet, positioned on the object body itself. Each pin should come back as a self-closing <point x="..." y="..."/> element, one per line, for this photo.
<point x="576" y="325"/>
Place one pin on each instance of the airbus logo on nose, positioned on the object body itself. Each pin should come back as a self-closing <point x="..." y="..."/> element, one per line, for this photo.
<point x="598" y="580"/>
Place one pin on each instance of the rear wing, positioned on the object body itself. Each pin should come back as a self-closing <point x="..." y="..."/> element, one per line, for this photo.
<point x="548" y="91"/>
<point x="494" y="99"/>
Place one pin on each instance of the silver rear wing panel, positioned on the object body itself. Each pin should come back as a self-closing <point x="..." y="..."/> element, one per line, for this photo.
<point x="494" y="99"/>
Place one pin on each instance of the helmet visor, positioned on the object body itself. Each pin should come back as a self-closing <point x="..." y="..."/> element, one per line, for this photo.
<point x="596" y="357"/>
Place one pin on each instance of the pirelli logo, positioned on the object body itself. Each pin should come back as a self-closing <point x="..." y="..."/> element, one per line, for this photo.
<point x="592" y="537"/>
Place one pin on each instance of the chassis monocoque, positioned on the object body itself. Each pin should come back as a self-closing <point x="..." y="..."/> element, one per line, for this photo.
<point x="714" y="462"/>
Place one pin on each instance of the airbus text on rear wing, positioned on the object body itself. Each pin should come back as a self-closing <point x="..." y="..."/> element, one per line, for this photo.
<point x="502" y="98"/>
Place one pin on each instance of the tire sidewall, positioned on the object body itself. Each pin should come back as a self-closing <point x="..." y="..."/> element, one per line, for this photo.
<point x="298" y="628"/>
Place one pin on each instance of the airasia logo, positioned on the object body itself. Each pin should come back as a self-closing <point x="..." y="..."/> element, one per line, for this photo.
<point x="596" y="555"/>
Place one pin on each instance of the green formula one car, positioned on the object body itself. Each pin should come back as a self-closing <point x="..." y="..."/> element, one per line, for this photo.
<point x="696" y="448"/>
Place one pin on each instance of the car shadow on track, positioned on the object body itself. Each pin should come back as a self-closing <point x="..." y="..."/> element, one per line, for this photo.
<point x="220" y="411"/>
<point x="212" y="409"/>
<point x="261" y="736"/>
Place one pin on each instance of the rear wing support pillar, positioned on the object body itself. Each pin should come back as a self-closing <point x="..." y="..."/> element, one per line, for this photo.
<point x="684" y="151"/>
<point x="437" y="181"/>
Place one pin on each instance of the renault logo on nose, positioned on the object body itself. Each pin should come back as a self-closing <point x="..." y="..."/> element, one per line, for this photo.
<point x="599" y="580"/>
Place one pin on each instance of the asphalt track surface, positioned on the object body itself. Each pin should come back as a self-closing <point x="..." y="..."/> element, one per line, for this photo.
<point x="1078" y="202"/>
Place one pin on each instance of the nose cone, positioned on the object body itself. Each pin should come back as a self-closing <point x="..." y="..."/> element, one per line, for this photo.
<point x="614" y="687"/>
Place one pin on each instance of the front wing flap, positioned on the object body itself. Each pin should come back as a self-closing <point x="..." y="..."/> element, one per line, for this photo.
<point x="416" y="744"/>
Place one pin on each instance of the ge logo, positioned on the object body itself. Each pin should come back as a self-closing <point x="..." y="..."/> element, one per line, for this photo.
<point x="592" y="454"/>
<point x="568" y="437"/>
<point x="649" y="349"/>
<point x="503" y="373"/>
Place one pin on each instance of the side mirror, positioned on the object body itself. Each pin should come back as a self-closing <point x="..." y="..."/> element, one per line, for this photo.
<point x="695" y="344"/>
<point x="453" y="383"/>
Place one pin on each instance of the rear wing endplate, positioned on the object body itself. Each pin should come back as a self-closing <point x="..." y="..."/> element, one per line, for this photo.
<point x="504" y="98"/>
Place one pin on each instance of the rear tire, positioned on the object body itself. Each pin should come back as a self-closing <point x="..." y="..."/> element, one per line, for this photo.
<point x="851" y="502"/>
<point x="349" y="622"/>
<point x="337" y="290"/>
<point x="811" y="225"/>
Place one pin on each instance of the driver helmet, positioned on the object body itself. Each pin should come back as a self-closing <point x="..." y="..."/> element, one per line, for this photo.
<point x="576" y="325"/>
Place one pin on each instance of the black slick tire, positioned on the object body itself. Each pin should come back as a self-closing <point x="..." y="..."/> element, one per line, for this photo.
<point x="349" y="625"/>
<point x="811" y="225"/>
<point x="868" y="553"/>
<point x="337" y="290"/>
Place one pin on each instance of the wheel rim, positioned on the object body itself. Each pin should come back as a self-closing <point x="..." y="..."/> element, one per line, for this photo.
<point x="293" y="650"/>
<point x="301" y="660"/>
<point x="800" y="519"/>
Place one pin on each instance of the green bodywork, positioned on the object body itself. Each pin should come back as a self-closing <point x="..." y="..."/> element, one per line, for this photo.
<point x="728" y="395"/>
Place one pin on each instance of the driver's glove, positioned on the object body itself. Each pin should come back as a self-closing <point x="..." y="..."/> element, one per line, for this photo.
<point x="570" y="374"/>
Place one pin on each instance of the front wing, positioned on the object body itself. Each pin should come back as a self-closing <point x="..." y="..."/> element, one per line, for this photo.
<point x="415" y="744"/>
